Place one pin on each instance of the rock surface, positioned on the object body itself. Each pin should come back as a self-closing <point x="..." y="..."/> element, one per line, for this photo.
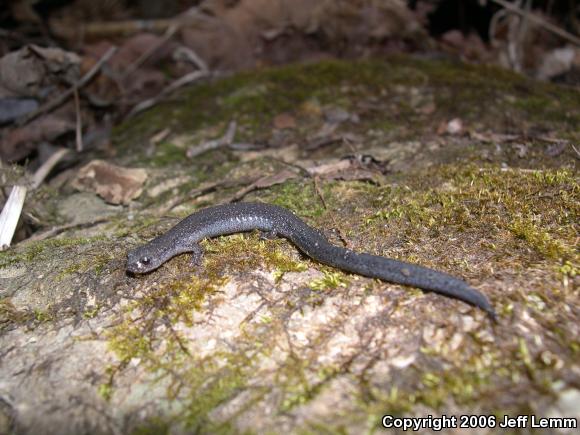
<point x="260" y="339"/>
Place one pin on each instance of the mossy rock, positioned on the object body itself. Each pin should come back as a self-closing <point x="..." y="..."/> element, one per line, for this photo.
<point x="260" y="339"/>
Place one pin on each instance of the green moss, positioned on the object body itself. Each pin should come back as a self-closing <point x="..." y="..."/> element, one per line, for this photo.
<point x="242" y="252"/>
<point x="43" y="315"/>
<point x="127" y="341"/>
<point x="297" y="389"/>
<point x="34" y="250"/>
<point x="219" y="388"/>
<point x="255" y="98"/>
<point x="92" y="312"/>
<point x="330" y="280"/>
<point x="298" y="196"/>
<point x="471" y="220"/>
<point x="10" y="315"/>
<point x="538" y="208"/>
<point x="167" y="154"/>
<point x="81" y="266"/>
<point x="539" y="239"/>
<point x="105" y="391"/>
<point x="213" y="380"/>
<point x="153" y="426"/>
<point x="499" y="209"/>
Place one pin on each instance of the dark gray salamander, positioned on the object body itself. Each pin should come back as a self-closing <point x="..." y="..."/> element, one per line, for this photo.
<point x="240" y="217"/>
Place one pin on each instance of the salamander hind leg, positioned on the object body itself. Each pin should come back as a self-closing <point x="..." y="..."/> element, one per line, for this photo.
<point x="268" y="235"/>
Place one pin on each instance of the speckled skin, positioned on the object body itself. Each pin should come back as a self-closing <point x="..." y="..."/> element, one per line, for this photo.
<point x="240" y="217"/>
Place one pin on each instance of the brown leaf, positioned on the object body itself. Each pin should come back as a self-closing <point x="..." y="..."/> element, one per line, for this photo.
<point x="284" y="120"/>
<point x="428" y="109"/>
<point x="31" y="70"/>
<point x="348" y="169"/>
<point x="241" y="32"/>
<point x="115" y="184"/>
<point x="17" y="143"/>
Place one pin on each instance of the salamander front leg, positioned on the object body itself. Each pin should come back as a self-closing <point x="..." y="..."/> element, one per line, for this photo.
<point x="196" y="255"/>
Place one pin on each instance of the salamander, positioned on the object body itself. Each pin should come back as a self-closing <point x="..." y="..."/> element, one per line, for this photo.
<point x="278" y="221"/>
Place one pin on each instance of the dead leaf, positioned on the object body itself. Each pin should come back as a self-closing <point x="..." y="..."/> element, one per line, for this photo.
<point x="13" y="108"/>
<point x="115" y="184"/>
<point x="428" y="109"/>
<point x="468" y="46"/>
<point x="329" y="168"/>
<point x="241" y="32"/>
<point x="336" y="115"/>
<point x="311" y="108"/>
<point x="284" y="120"/>
<point x="34" y="71"/>
<point x="557" y="62"/>
<point x="139" y="45"/>
<point x="349" y="169"/>
<point x="17" y="143"/>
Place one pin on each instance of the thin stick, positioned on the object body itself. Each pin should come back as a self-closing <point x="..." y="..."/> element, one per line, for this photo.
<point x="42" y="172"/>
<point x="539" y="21"/>
<point x="191" y="56"/>
<point x="223" y="141"/>
<point x="57" y="230"/>
<point x="10" y="215"/>
<point x="79" y="124"/>
<point x="197" y="192"/>
<point x="53" y="104"/>
<point x="182" y="81"/>
<point x="146" y="55"/>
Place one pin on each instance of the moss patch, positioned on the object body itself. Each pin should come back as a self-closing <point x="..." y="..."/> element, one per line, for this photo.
<point x="473" y="221"/>
<point x="390" y="97"/>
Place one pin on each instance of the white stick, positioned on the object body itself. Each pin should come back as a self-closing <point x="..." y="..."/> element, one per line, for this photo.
<point x="42" y="172"/>
<point x="10" y="215"/>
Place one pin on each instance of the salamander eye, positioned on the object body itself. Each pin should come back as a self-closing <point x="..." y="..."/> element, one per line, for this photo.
<point x="145" y="260"/>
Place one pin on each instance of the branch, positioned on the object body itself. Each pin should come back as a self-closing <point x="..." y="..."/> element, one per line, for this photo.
<point x="539" y="21"/>
<point x="53" y="104"/>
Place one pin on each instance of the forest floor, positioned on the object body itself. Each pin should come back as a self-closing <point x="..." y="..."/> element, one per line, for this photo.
<point x="467" y="169"/>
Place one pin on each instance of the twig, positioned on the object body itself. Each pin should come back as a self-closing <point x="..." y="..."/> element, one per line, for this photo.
<point x="42" y="172"/>
<point x="198" y="191"/>
<point x="10" y="215"/>
<point x="521" y="31"/>
<point x="57" y="230"/>
<point x="182" y="81"/>
<point x="79" y="124"/>
<point x="539" y="21"/>
<point x="190" y="55"/>
<point x="171" y="30"/>
<point x="53" y="104"/>
<point x="225" y="140"/>
<point x="264" y="182"/>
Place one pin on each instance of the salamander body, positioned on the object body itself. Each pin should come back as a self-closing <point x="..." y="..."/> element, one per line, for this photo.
<point x="241" y="217"/>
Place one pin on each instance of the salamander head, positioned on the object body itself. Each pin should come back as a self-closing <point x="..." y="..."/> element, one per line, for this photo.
<point x="145" y="259"/>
